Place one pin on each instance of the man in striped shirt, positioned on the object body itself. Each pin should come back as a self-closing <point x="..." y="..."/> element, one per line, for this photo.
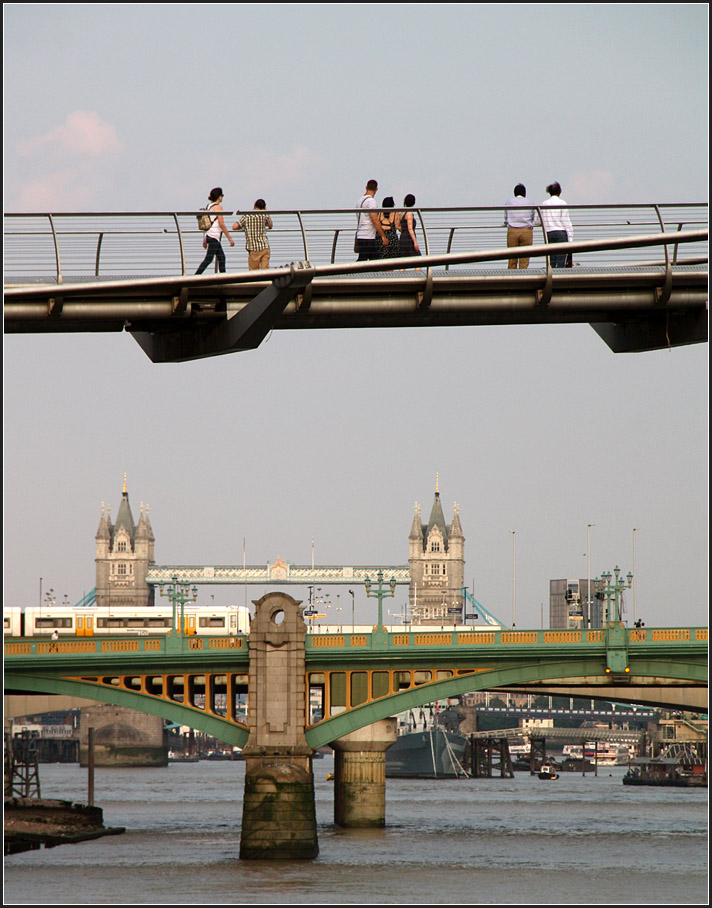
<point x="256" y="241"/>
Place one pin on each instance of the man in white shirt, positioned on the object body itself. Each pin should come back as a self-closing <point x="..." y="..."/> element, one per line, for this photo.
<point x="557" y="222"/>
<point x="369" y="225"/>
<point x="519" y="219"/>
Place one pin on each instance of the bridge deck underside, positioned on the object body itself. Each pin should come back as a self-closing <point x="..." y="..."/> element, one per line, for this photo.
<point x="631" y="309"/>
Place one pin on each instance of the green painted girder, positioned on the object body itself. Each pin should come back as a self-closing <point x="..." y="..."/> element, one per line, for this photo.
<point x="510" y="675"/>
<point x="506" y="664"/>
<point x="222" y="729"/>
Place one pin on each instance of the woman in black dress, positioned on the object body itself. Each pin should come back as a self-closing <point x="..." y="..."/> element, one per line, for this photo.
<point x="405" y="222"/>
<point x="388" y="222"/>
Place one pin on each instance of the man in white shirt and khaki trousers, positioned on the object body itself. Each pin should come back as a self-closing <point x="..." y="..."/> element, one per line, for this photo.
<point x="520" y="219"/>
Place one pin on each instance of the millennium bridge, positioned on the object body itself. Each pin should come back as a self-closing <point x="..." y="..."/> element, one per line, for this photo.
<point x="639" y="277"/>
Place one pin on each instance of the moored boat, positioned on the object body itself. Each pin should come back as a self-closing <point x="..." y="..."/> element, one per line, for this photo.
<point x="430" y="754"/>
<point x="666" y="773"/>
<point x="548" y="771"/>
<point x="177" y="757"/>
<point x="427" y="751"/>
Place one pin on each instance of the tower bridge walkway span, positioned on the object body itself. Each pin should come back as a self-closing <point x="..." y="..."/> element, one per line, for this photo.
<point x="639" y="277"/>
<point x="354" y="679"/>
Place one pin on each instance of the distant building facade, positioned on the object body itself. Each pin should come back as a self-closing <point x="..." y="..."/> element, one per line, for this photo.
<point x="573" y="604"/>
<point x="436" y="559"/>
<point x="124" y="555"/>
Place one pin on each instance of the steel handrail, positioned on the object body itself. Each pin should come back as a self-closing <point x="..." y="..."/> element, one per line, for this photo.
<point x="324" y="236"/>
<point x="351" y="211"/>
<point x="354" y="268"/>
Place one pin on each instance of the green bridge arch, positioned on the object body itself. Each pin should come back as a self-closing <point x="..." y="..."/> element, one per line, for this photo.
<point x="507" y="676"/>
<point x="235" y="735"/>
<point x="680" y="670"/>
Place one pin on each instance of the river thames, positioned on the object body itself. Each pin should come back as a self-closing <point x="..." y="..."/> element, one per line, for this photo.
<point x="516" y="841"/>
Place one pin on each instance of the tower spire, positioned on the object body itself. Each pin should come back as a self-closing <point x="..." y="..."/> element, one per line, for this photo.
<point x="124" y="483"/>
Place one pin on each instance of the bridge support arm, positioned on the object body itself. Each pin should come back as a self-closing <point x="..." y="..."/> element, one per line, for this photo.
<point x="244" y="331"/>
<point x="662" y="329"/>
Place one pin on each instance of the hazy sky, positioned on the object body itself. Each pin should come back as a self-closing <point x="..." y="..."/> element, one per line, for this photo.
<point x="334" y="435"/>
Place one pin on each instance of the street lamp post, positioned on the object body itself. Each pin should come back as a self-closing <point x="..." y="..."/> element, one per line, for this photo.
<point x="380" y="594"/>
<point x="179" y="593"/>
<point x="588" y="576"/>
<point x="352" y="610"/>
<point x="612" y="594"/>
<point x="635" y="582"/>
<point x="514" y="577"/>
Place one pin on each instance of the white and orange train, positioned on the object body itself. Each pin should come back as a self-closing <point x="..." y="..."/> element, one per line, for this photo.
<point x="76" y="621"/>
<point x="91" y="621"/>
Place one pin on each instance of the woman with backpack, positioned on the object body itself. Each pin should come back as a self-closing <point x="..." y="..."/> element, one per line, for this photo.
<point x="211" y="239"/>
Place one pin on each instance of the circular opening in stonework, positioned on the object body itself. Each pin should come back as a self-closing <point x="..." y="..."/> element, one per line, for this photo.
<point x="278" y="618"/>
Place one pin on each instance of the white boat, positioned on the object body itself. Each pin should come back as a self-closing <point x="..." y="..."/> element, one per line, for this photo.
<point x="609" y="754"/>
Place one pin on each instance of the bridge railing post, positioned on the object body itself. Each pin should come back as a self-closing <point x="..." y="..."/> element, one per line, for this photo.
<point x="56" y="249"/>
<point x="98" y="253"/>
<point x="663" y="293"/>
<point x="333" y="246"/>
<point x="304" y="236"/>
<point x="180" y="244"/>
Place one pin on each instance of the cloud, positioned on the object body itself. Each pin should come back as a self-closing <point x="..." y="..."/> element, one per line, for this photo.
<point x="83" y="133"/>
<point x="596" y="186"/>
<point x="61" y="190"/>
<point x="264" y="170"/>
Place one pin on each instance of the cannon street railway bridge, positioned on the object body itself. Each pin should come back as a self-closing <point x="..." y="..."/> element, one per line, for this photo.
<point x="357" y="677"/>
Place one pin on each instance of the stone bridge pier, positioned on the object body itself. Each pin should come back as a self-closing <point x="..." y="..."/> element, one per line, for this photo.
<point x="360" y="774"/>
<point x="278" y="812"/>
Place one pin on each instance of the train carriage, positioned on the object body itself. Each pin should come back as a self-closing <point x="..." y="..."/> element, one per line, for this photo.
<point x="68" y="621"/>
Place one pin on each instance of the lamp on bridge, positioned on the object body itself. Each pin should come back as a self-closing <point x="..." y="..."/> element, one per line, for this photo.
<point x="179" y="592"/>
<point x="612" y="594"/>
<point x="380" y="593"/>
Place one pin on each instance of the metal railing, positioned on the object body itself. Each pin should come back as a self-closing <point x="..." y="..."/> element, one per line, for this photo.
<point x="73" y="246"/>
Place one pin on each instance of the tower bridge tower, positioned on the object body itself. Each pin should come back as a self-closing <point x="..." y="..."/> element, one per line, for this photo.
<point x="437" y="566"/>
<point x="124" y="555"/>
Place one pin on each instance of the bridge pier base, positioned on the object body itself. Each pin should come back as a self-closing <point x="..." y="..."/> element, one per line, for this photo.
<point x="360" y="775"/>
<point x="278" y="809"/>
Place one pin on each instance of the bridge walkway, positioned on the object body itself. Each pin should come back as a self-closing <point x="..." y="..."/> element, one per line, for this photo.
<point x="639" y="277"/>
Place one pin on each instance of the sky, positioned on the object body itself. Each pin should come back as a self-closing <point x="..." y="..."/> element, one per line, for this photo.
<point x="332" y="436"/>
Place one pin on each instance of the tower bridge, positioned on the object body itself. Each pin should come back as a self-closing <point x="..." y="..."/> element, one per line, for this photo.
<point x="127" y="575"/>
<point x="278" y="573"/>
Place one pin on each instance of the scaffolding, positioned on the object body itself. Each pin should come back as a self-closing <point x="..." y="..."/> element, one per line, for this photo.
<point x="22" y="776"/>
